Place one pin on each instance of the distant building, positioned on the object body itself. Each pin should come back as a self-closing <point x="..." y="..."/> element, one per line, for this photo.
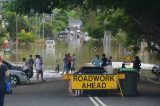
<point x="75" y="23"/>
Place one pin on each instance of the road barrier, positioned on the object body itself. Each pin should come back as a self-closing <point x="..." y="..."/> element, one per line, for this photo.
<point x="78" y="83"/>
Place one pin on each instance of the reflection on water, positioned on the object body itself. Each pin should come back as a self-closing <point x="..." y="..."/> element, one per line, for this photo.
<point x="84" y="52"/>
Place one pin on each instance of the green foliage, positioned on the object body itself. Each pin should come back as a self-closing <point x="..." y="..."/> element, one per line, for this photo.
<point x="3" y="33"/>
<point x="34" y="24"/>
<point x="4" y="37"/>
<point x="59" y="22"/>
<point x="26" y="37"/>
<point x="120" y="37"/>
<point x="138" y="18"/>
<point x="142" y="23"/>
<point x="93" y="25"/>
<point x="73" y="14"/>
<point x="22" y="23"/>
<point x="62" y="16"/>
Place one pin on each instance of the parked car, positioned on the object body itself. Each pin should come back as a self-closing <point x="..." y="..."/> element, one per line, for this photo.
<point x="91" y="70"/>
<point x="156" y="71"/>
<point x="62" y="34"/>
<point x="17" y="75"/>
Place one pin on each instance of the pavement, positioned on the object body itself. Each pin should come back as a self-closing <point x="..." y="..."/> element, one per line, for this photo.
<point x="54" y="92"/>
<point x="49" y="74"/>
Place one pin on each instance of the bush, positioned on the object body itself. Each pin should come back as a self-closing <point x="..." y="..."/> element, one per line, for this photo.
<point x="26" y="37"/>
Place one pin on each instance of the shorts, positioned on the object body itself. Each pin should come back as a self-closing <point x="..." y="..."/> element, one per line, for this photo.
<point x="39" y="72"/>
<point x="69" y="66"/>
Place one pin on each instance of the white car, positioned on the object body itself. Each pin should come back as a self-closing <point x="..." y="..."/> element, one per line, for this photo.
<point x="17" y="75"/>
<point x="156" y="71"/>
<point x="78" y="31"/>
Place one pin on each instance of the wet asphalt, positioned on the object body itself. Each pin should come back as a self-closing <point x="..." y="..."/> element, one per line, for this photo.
<point x="55" y="93"/>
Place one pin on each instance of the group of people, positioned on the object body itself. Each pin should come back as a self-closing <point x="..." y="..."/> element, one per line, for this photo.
<point x="102" y="62"/>
<point x="30" y="63"/>
<point x="69" y="63"/>
<point x="68" y="60"/>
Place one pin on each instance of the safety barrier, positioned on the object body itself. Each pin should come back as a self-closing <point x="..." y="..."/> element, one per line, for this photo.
<point x="78" y="83"/>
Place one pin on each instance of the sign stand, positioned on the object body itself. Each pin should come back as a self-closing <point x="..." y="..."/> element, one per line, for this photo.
<point x="75" y="86"/>
<point x="119" y="86"/>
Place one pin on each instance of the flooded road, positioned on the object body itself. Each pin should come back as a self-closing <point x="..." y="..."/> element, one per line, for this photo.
<point x="84" y="52"/>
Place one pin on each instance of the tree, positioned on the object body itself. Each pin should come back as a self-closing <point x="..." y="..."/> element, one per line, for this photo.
<point x="143" y="22"/>
<point x="93" y="25"/>
<point x="26" y="37"/>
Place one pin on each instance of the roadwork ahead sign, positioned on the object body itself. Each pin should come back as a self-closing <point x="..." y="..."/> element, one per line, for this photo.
<point x="94" y="81"/>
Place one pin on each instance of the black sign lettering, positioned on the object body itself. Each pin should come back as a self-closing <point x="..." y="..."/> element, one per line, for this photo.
<point x="74" y="78"/>
<point x="102" y="78"/>
<point x="85" y="78"/>
<point x="111" y="78"/>
<point x="80" y="78"/>
<point x="103" y="85"/>
<point x="90" y="78"/>
<point x="98" y="85"/>
<point x="93" y="78"/>
<point x="83" y="86"/>
<point x="93" y="85"/>
<point x="96" y="78"/>
<point x="107" y="78"/>
<point x="89" y="85"/>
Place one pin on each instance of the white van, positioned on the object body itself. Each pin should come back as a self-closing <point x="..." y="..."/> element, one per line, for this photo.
<point x="50" y="46"/>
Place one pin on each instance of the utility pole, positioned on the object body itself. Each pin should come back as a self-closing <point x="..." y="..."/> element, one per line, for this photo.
<point x="36" y="25"/>
<point x="16" y="38"/>
<point x="43" y="20"/>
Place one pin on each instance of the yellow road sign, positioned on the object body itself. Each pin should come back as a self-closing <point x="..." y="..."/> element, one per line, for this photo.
<point x="94" y="82"/>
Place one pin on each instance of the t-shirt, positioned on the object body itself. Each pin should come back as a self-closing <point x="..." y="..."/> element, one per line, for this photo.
<point x="31" y="62"/>
<point x="25" y="66"/>
<point x="73" y="61"/>
<point x="38" y="64"/>
<point x="97" y="62"/>
<point x="69" y="59"/>
<point x="137" y="64"/>
<point x="105" y="60"/>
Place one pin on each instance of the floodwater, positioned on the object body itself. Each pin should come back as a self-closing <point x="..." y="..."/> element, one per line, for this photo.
<point x="84" y="52"/>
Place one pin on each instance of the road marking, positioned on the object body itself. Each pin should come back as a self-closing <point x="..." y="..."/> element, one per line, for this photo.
<point x="93" y="101"/>
<point x="100" y="101"/>
<point x="96" y="101"/>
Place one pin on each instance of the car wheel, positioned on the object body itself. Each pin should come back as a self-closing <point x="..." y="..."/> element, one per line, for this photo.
<point x="14" y="80"/>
